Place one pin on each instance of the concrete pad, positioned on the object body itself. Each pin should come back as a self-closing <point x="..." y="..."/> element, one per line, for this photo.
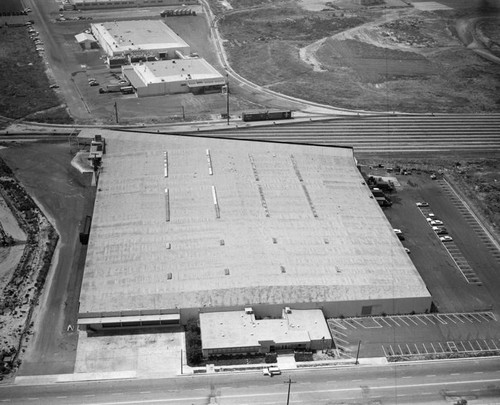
<point x="145" y="354"/>
<point x="286" y="362"/>
<point x="430" y="6"/>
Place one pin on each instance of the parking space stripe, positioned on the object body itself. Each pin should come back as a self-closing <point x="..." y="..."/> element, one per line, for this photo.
<point x="402" y="320"/>
<point x="442" y="350"/>
<point x="393" y="320"/>
<point x="433" y="348"/>
<point x="440" y="320"/>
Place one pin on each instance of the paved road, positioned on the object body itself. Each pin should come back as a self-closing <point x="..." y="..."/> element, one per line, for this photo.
<point x="475" y="380"/>
<point x="64" y="196"/>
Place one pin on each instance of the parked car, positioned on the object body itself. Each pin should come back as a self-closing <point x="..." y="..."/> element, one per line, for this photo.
<point x="54" y="86"/>
<point x="445" y="238"/>
<point x="436" y="222"/>
<point x="94" y="83"/>
<point x="399" y="233"/>
<point x="440" y="230"/>
<point x="422" y="204"/>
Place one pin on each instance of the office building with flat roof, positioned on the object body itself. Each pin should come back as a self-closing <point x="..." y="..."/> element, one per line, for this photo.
<point x="144" y="39"/>
<point x="194" y="75"/>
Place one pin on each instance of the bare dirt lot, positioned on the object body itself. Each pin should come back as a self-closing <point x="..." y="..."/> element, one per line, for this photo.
<point x="400" y="58"/>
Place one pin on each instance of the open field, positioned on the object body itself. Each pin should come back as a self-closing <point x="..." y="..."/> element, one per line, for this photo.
<point x="24" y="86"/>
<point x="401" y="59"/>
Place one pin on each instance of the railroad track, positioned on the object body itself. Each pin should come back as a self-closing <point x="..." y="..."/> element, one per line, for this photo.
<point x="391" y="134"/>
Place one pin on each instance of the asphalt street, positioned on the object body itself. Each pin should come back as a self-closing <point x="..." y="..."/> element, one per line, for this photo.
<point x="478" y="381"/>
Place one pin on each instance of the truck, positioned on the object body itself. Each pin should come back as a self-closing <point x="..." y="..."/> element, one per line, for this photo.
<point x="85" y="230"/>
<point x="127" y="90"/>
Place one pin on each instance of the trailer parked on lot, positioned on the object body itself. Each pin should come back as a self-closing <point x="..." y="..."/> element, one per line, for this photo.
<point x="85" y="231"/>
<point x="266" y="115"/>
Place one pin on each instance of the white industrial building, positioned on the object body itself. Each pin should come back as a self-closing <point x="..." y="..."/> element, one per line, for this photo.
<point x="139" y="40"/>
<point x="185" y="225"/>
<point x="173" y="76"/>
<point x="97" y="4"/>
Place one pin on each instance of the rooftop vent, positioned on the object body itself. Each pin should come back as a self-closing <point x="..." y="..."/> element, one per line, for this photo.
<point x="226" y="272"/>
<point x="275" y="241"/>
<point x="248" y="311"/>
<point x="222" y="243"/>
<point x="168" y="246"/>
<point x="283" y="270"/>
<point x="169" y="276"/>
<point x="288" y="310"/>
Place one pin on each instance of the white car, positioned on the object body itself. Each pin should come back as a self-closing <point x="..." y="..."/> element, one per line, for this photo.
<point x="436" y="222"/>
<point x="422" y="204"/>
<point x="398" y="231"/>
<point x="270" y="371"/>
<point x="445" y="238"/>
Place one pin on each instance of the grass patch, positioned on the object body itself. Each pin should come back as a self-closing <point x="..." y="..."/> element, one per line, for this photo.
<point x="24" y="85"/>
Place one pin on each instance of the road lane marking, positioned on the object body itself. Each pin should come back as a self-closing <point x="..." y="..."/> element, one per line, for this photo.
<point x="478" y="372"/>
<point x="431" y="375"/>
<point x="386" y="387"/>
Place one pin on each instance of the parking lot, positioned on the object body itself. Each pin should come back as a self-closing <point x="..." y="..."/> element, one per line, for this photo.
<point x="417" y="336"/>
<point x="460" y="273"/>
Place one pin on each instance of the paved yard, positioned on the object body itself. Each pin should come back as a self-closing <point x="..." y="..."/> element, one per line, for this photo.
<point x="152" y="355"/>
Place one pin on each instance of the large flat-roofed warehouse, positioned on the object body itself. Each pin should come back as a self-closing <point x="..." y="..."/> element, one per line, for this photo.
<point x="139" y="39"/>
<point x="187" y="224"/>
<point x="173" y="76"/>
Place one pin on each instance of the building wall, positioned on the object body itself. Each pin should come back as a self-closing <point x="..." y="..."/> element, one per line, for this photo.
<point x="330" y="309"/>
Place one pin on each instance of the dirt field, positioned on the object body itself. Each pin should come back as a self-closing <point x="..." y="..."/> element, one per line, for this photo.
<point x="401" y="58"/>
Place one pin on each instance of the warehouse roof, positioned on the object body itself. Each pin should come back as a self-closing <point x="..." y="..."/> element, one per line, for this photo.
<point x="192" y="222"/>
<point x="174" y="70"/>
<point x="240" y="329"/>
<point x="139" y="35"/>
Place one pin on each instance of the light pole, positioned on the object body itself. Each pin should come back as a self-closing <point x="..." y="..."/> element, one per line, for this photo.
<point x="357" y="354"/>
<point x="227" y="97"/>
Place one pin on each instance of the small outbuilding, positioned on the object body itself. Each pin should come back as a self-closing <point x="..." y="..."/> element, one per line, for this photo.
<point x="86" y="41"/>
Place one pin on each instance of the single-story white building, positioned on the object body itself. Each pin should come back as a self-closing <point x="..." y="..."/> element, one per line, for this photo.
<point x="239" y="332"/>
<point x="173" y="76"/>
<point x="139" y="40"/>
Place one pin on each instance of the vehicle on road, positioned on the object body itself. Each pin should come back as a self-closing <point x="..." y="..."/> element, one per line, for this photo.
<point x="407" y="250"/>
<point x="422" y="204"/>
<point x="270" y="371"/>
<point x="94" y="83"/>
<point x="445" y="238"/>
<point x="54" y="86"/>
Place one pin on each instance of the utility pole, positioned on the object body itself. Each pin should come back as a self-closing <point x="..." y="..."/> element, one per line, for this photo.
<point x="289" y="382"/>
<point x="227" y="97"/>
<point x="181" y="362"/>
<point x="116" y="112"/>
<point x="357" y="354"/>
